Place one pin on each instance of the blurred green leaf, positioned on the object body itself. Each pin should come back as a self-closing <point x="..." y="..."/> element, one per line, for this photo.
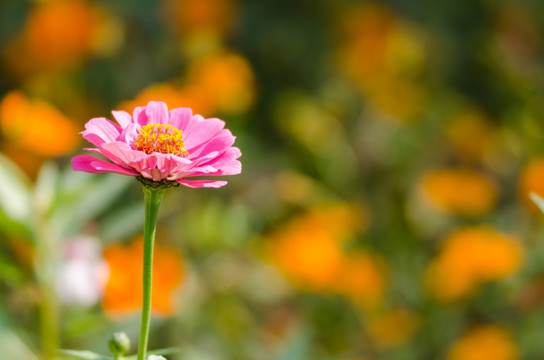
<point x="45" y="189"/>
<point x="86" y="200"/>
<point x="12" y="345"/>
<point x="297" y="346"/>
<point x="125" y="222"/>
<point x="82" y="354"/>
<point x="15" y="200"/>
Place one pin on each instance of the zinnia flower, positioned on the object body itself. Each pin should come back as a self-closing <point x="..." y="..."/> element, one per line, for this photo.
<point x="162" y="146"/>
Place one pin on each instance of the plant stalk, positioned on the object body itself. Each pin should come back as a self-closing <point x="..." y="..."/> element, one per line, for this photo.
<point x="46" y="257"/>
<point x="152" y="198"/>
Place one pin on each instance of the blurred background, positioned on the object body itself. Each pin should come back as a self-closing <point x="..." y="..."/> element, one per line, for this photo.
<point x="389" y="148"/>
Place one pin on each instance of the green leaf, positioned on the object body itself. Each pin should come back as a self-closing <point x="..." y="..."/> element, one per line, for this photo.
<point x="12" y="343"/>
<point x="86" y="199"/>
<point x="123" y="223"/>
<point x="15" y="199"/>
<point x="45" y="190"/>
<point x="297" y="346"/>
<point x="82" y="355"/>
<point x="538" y="201"/>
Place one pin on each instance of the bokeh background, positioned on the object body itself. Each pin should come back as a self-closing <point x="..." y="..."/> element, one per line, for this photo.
<point x="383" y="213"/>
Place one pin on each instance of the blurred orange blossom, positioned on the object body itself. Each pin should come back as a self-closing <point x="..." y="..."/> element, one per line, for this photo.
<point x="484" y="343"/>
<point x="384" y="57"/>
<point x="469" y="257"/>
<point x="309" y="251"/>
<point x="192" y="16"/>
<point x="56" y="35"/>
<point x="460" y="191"/>
<point x="124" y="289"/>
<point x="218" y="82"/>
<point x="34" y="130"/>
<point x="226" y="77"/>
<point x="175" y="96"/>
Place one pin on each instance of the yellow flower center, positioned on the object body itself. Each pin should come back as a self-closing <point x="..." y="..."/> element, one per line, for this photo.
<point x="161" y="138"/>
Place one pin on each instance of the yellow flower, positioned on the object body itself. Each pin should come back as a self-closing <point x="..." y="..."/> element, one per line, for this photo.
<point x="124" y="289"/>
<point x="471" y="256"/>
<point x="459" y="191"/>
<point x="485" y="343"/>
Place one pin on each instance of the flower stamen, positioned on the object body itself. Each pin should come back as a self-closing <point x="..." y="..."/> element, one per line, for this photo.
<point x="161" y="138"/>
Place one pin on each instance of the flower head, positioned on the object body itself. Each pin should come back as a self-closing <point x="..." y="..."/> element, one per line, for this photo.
<point x="161" y="146"/>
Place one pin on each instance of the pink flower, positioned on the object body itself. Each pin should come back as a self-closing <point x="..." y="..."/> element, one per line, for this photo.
<point x="161" y="145"/>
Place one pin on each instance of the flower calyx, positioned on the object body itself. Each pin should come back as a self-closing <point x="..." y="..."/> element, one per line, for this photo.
<point x="156" y="185"/>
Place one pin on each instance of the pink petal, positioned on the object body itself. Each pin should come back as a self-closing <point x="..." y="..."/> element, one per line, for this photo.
<point x="157" y="112"/>
<point x="200" y="130"/>
<point x="226" y="157"/>
<point x="221" y="142"/>
<point x="91" y="164"/>
<point x="130" y="133"/>
<point x="139" y="116"/>
<point x="122" y="117"/>
<point x="170" y="166"/>
<point x="120" y="152"/>
<point x="225" y="163"/>
<point x="180" y="117"/>
<point x="100" y="130"/>
<point x="202" y="183"/>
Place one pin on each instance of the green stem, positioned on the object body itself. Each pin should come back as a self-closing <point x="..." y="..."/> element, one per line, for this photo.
<point x="152" y="198"/>
<point x="45" y="260"/>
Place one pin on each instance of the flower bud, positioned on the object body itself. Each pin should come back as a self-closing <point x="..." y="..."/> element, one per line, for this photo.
<point x="119" y="344"/>
<point x="156" y="357"/>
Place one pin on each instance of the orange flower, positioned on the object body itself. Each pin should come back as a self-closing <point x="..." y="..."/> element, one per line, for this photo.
<point x="393" y="328"/>
<point x="219" y="82"/>
<point x="471" y="256"/>
<point x="57" y="34"/>
<point x="309" y="257"/>
<point x="532" y="181"/>
<point x="191" y="16"/>
<point x="194" y="97"/>
<point x="459" y="191"/>
<point x="226" y="78"/>
<point x="384" y="57"/>
<point x="483" y="343"/>
<point x="34" y="130"/>
<point x="124" y="289"/>
<point x="361" y="279"/>
<point x="309" y="251"/>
